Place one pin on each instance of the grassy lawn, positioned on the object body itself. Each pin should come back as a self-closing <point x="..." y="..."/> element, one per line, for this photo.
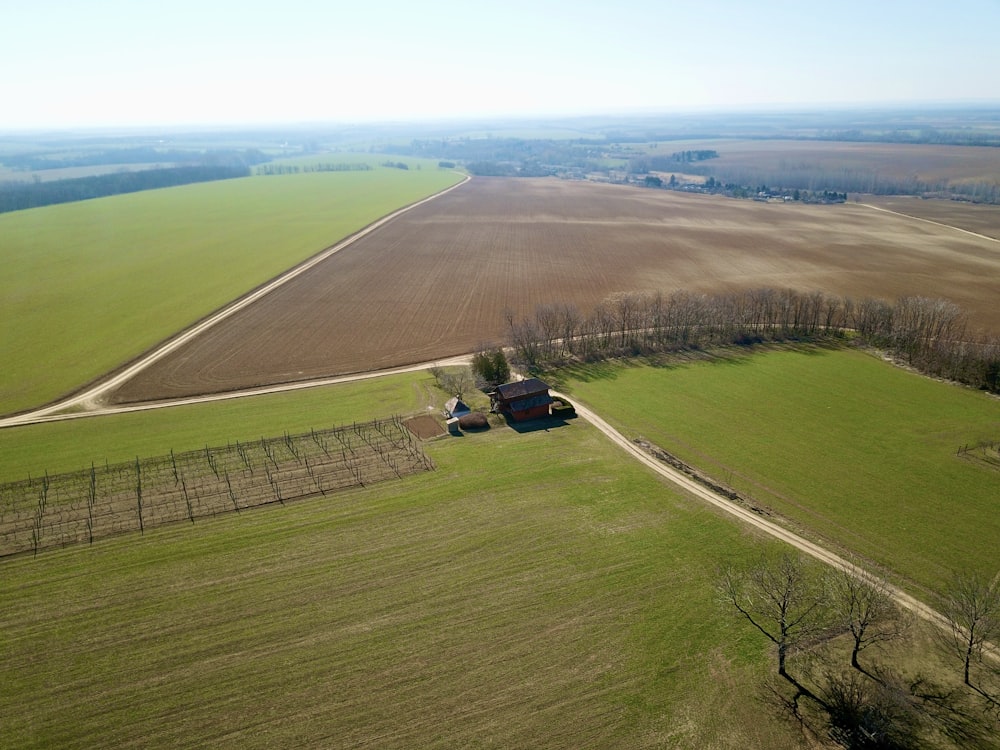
<point x="89" y="285"/>
<point x="855" y="451"/>
<point x="537" y="590"/>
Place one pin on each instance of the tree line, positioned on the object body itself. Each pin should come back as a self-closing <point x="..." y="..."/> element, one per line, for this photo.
<point x="664" y="163"/>
<point x="931" y="335"/>
<point x="817" y="178"/>
<point x="40" y="161"/>
<point x="276" y="169"/>
<point x="505" y="157"/>
<point x="15" y="196"/>
<point x="965" y="137"/>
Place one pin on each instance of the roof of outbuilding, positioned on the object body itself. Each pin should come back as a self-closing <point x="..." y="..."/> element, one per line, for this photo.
<point x="522" y="388"/>
<point x="456" y="406"/>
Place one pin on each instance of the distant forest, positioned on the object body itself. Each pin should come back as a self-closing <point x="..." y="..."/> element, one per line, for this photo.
<point x="15" y="196"/>
<point x="38" y="161"/>
<point x="153" y="168"/>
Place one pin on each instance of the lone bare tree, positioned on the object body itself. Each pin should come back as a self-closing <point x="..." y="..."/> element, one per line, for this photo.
<point x="863" y="604"/>
<point x="780" y="597"/>
<point x="455" y="382"/>
<point x="973" y="612"/>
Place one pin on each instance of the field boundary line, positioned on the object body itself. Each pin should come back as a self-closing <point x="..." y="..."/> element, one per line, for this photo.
<point x="88" y="397"/>
<point x="930" y="221"/>
<point x="106" y="411"/>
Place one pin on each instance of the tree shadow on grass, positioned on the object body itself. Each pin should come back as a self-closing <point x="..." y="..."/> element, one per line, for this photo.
<point x="587" y="372"/>
<point x="561" y="376"/>
<point x="537" y="425"/>
<point x="883" y="709"/>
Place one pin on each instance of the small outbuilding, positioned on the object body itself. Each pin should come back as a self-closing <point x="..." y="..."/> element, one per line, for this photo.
<point x="455" y="408"/>
<point x="524" y="399"/>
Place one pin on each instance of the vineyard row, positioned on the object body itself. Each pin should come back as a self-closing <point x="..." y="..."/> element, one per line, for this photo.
<point x="80" y="507"/>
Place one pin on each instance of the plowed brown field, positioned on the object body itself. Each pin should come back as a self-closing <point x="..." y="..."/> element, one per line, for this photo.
<point x="975" y="217"/>
<point x="436" y="281"/>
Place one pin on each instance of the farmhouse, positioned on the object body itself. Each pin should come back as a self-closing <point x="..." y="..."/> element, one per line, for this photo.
<point x="525" y="399"/>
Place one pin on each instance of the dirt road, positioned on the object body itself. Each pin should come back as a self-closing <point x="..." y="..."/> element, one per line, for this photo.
<point x="93" y="409"/>
<point x="90" y="398"/>
<point x="977" y="235"/>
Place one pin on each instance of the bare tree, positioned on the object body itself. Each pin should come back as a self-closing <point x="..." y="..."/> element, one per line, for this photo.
<point x="973" y="612"/>
<point x="455" y="382"/>
<point x="625" y="308"/>
<point x="548" y="324"/>
<point x="524" y="339"/>
<point x="602" y="325"/>
<point x="780" y="597"/>
<point x="833" y="316"/>
<point x="872" y="318"/>
<point x="570" y="321"/>
<point x="864" y="605"/>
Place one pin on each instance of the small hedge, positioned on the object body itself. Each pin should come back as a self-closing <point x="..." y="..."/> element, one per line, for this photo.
<point x="473" y="421"/>
<point x="562" y="408"/>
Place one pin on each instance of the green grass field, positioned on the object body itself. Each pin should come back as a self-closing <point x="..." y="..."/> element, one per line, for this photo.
<point x="849" y="448"/>
<point x="87" y="286"/>
<point x="537" y="590"/>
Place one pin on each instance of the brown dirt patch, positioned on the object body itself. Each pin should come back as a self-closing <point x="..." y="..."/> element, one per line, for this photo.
<point x="424" y="427"/>
<point x="436" y="281"/>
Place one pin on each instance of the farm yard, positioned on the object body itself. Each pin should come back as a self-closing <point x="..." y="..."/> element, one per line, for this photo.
<point x="439" y="280"/>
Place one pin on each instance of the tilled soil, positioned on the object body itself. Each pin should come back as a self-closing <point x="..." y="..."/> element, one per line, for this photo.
<point x="439" y="280"/>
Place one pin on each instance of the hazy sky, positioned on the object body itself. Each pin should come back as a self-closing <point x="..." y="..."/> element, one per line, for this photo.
<point x="68" y="63"/>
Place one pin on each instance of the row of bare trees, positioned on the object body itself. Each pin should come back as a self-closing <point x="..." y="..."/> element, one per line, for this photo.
<point x="818" y="178"/>
<point x="933" y="336"/>
<point x="801" y="610"/>
<point x="930" y="334"/>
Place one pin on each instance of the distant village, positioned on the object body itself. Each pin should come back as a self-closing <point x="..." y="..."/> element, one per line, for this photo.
<point x="659" y="171"/>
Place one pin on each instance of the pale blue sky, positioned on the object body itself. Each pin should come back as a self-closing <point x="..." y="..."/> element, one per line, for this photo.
<point x="68" y="63"/>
